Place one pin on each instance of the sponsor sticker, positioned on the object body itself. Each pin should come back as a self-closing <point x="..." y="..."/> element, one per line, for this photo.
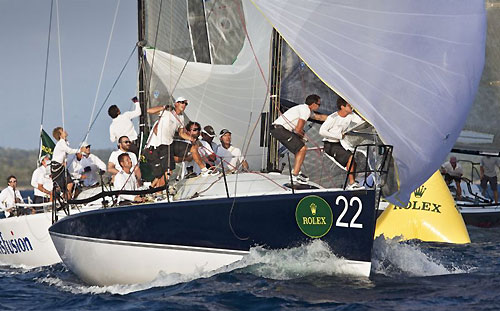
<point x="314" y="216"/>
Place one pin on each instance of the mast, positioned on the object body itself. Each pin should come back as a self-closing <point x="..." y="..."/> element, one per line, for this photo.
<point x="143" y="120"/>
<point x="274" y="102"/>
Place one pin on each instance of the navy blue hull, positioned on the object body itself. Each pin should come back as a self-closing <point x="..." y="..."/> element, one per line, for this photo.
<point x="235" y="224"/>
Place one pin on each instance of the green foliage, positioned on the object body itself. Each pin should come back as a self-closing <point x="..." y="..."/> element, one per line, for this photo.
<point x="21" y="163"/>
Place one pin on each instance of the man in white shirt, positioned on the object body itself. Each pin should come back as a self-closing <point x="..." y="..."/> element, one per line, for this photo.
<point x="489" y="174"/>
<point x="288" y="129"/>
<point x="125" y="180"/>
<point x="10" y="195"/>
<point x="86" y="167"/>
<point x="229" y="155"/>
<point x="209" y="147"/>
<point x="59" y="173"/>
<point x="166" y="150"/>
<point x="453" y="171"/>
<point x="333" y="130"/>
<point x="122" y="124"/>
<point x="114" y="167"/>
<point x="41" y="182"/>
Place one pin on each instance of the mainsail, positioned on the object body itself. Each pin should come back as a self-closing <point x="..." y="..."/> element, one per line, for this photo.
<point x="230" y="93"/>
<point x="411" y="68"/>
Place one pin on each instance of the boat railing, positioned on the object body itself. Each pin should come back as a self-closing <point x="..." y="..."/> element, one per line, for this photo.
<point x="377" y="164"/>
<point x="473" y="168"/>
<point x="21" y="209"/>
<point x="474" y="196"/>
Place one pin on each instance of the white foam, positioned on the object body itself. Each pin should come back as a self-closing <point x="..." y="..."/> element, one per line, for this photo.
<point x="314" y="258"/>
<point x="390" y="257"/>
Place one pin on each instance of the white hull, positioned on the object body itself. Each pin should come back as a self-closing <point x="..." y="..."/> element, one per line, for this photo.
<point x="107" y="262"/>
<point x="36" y="248"/>
<point x="25" y="240"/>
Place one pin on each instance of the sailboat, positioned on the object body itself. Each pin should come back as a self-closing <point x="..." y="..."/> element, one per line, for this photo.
<point x="480" y="136"/>
<point x="402" y="65"/>
<point x="24" y="238"/>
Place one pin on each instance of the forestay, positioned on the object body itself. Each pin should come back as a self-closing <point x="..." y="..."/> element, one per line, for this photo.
<point x="411" y="68"/>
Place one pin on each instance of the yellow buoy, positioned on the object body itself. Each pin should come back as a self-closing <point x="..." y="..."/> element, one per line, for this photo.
<point x="430" y="216"/>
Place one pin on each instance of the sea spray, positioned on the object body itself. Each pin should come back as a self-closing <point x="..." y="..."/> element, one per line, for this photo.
<point x="393" y="257"/>
<point x="314" y="258"/>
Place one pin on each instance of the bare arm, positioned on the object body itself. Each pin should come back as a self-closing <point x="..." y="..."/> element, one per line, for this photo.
<point x="112" y="169"/>
<point x="155" y="110"/>
<point x="244" y="164"/>
<point x="137" y="172"/>
<point x="319" y="116"/>
<point x="42" y="189"/>
<point x="184" y="135"/>
<point x="299" y="129"/>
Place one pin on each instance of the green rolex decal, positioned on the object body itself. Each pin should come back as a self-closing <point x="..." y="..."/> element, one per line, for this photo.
<point x="314" y="216"/>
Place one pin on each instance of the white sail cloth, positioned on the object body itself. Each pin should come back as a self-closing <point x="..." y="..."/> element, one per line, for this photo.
<point x="411" y="68"/>
<point x="224" y="96"/>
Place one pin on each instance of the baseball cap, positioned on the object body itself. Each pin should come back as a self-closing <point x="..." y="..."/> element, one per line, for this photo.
<point x="224" y="132"/>
<point x="180" y="99"/>
<point x="45" y="156"/>
<point x="85" y="144"/>
<point x="209" y="131"/>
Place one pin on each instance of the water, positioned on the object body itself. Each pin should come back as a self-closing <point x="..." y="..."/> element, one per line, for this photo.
<point x="27" y="193"/>
<point x="405" y="276"/>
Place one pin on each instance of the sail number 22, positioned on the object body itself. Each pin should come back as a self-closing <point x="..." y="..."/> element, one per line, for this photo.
<point x="354" y="202"/>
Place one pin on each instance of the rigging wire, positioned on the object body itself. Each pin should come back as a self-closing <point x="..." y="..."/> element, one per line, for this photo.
<point x="60" y="62"/>
<point x="110" y="91"/>
<point x="103" y="67"/>
<point x="45" y="78"/>
<point x="148" y="86"/>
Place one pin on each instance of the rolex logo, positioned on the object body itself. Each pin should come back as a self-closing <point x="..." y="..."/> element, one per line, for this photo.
<point x="419" y="192"/>
<point x="313" y="208"/>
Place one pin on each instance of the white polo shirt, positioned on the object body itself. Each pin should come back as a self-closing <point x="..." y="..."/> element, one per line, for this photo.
<point x="41" y="176"/>
<point x="122" y="125"/>
<point x="124" y="181"/>
<point x="114" y="158"/>
<point x="292" y="116"/>
<point x="168" y="124"/>
<point x="232" y="155"/>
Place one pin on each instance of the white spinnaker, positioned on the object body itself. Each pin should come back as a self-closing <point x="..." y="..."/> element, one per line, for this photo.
<point x="224" y="96"/>
<point x="411" y="68"/>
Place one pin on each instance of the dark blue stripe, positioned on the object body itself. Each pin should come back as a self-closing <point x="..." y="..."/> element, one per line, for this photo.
<point x="265" y="220"/>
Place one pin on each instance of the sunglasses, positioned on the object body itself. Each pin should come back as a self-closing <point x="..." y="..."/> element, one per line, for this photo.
<point x="12" y="181"/>
<point x="195" y="130"/>
<point x="184" y="102"/>
<point x="126" y="142"/>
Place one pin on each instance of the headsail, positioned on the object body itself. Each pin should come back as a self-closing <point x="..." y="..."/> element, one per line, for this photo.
<point x="411" y="68"/>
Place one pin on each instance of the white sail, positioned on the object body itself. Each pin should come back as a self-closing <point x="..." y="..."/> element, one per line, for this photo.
<point x="411" y="68"/>
<point x="224" y="96"/>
